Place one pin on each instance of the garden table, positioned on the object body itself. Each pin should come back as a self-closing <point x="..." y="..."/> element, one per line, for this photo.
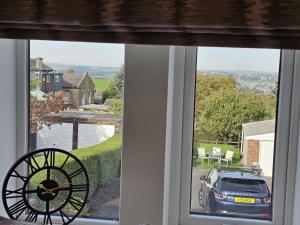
<point x="218" y="156"/>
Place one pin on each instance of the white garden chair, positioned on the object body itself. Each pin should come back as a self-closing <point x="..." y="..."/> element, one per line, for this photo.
<point x="216" y="154"/>
<point x="228" y="157"/>
<point x="202" y="155"/>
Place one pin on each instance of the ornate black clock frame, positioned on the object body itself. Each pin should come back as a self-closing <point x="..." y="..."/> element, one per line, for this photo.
<point x="17" y="202"/>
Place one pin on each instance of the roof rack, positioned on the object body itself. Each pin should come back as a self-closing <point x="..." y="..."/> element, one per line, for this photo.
<point x="252" y="169"/>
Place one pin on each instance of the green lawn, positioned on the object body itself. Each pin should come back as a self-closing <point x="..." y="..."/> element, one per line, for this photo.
<point x="101" y="84"/>
<point x="224" y="147"/>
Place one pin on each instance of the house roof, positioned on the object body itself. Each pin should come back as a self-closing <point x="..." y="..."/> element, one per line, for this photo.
<point x="72" y="80"/>
<point x="33" y="66"/>
<point x="262" y="137"/>
<point x="258" y="128"/>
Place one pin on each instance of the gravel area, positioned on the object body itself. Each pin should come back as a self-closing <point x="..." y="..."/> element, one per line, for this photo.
<point x="104" y="203"/>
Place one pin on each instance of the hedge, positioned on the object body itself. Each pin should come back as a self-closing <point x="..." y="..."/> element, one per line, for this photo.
<point x="102" y="162"/>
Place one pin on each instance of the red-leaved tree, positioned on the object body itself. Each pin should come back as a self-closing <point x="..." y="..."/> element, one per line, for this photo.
<point x="39" y="111"/>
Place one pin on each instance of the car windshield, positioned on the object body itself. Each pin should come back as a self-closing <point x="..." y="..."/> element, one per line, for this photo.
<point x="243" y="185"/>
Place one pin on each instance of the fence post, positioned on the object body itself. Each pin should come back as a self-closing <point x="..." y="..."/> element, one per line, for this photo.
<point x="75" y="135"/>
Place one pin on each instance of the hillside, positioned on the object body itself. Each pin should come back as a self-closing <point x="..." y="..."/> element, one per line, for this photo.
<point x="105" y="72"/>
<point x="250" y="81"/>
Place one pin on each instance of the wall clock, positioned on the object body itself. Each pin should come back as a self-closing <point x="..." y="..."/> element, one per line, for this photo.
<point x="52" y="187"/>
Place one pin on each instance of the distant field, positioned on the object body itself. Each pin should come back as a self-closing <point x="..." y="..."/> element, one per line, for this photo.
<point x="101" y="84"/>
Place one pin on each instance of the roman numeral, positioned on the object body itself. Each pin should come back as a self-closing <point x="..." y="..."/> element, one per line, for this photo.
<point x="49" y="158"/>
<point x="47" y="219"/>
<point x="14" y="194"/>
<point x="79" y="188"/>
<point x="75" y="203"/>
<point x="77" y="172"/>
<point x="64" y="163"/>
<point x="64" y="217"/>
<point x="32" y="163"/>
<point x="17" y="175"/>
<point x="32" y="217"/>
<point x="17" y="208"/>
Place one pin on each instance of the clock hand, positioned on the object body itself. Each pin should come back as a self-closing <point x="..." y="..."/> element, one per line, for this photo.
<point x="47" y="192"/>
<point x="42" y="187"/>
<point x="53" y="189"/>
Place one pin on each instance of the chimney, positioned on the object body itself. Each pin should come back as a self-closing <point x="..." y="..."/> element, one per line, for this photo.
<point x="39" y="63"/>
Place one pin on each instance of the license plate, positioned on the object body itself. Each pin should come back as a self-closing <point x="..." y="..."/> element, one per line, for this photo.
<point x="244" y="200"/>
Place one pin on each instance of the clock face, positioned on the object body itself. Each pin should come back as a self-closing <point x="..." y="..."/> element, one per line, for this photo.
<point x="52" y="186"/>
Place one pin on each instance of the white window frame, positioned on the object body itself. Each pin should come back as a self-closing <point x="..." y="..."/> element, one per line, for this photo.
<point x="37" y="75"/>
<point x="48" y="78"/>
<point x="180" y="136"/>
<point x="56" y="78"/>
<point x="22" y="59"/>
<point x="182" y="61"/>
<point x="144" y="200"/>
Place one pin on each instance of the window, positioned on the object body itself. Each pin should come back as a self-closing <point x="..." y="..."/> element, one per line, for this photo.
<point x="234" y="95"/>
<point x="37" y="75"/>
<point x="56" y="78"/>
<point x="212" y="171"/>
<point x="145" y="142"/>
<point x="98" y="144"/>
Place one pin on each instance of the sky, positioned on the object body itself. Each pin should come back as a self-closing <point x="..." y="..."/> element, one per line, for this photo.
<point x="212" y="58"/>
<point x="100" y="54"/>
<point x="81" y="53"/>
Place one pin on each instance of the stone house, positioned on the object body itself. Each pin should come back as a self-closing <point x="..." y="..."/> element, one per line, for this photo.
<point x="79" y="89"/>
<point x="48" y="80"/>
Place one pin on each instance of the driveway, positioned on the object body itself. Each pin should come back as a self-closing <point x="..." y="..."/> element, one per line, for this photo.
<point x="196" y="183"/>
<point x="104" y="203"/>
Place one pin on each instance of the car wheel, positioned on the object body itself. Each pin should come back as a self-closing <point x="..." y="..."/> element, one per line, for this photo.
<point x="201" y="199"/>
<point x="211" y="210"/>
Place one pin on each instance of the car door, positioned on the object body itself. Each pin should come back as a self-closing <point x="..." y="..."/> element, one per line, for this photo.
<point x="207" y="185"/>
<point x="212" y="186"/>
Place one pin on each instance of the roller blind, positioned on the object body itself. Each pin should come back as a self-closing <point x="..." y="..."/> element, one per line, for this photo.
<point x="240" y="23"/>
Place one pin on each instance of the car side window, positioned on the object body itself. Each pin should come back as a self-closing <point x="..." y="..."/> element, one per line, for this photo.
<point x="214" y="178"/>
<point x="210" y="176"/>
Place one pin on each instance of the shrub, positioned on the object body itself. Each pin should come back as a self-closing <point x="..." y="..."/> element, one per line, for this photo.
<point x="117" y="109"/>
<point x="102" y="162"/>
<point x="112" y="101"/>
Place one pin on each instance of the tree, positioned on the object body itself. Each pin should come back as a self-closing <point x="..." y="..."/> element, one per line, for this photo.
<point x="116" y="88"/>
<point x="226" y="110"/>
<point x="206" y="86"/>
<point x="39" y="111"/>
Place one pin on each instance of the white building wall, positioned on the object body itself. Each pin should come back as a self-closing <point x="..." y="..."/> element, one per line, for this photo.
<point x="266" y="157"/>
<point x="7" y="109"/>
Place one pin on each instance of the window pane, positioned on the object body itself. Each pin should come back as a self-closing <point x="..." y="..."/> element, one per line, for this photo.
<point x="76" y="104"/>
<point x="234" y="132"/>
